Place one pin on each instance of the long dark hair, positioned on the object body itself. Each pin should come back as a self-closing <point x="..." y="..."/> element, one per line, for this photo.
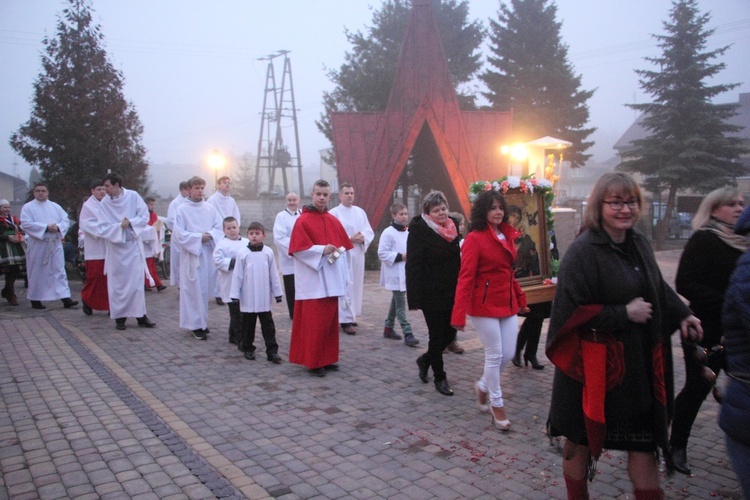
<point x="482" y="204"/>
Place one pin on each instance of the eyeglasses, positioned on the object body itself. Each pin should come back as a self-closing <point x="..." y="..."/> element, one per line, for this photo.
<point x="618" y="205"/>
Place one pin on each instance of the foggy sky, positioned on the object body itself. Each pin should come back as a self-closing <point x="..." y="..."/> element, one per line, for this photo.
<point x="191" y="67"/>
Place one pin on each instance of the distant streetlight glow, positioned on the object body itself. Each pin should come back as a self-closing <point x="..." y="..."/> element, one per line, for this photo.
<point x="216" y="162"/>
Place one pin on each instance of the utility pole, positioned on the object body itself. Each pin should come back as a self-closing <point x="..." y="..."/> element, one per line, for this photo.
<point x="279" y="111"/>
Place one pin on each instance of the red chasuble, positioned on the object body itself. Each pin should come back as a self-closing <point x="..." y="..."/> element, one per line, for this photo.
<point x="315" y="337"/>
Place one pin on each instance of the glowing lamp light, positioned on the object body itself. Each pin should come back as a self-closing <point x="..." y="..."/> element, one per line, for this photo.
<point x="519" y="152"/>
<point x="216" y="162"/>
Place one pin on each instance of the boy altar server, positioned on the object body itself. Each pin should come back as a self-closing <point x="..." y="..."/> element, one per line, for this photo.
<point x="123" y="217"/>
<point x="255" y="283"/>
<point x="94" y="293"/>
<point x="225" y="255"/>
<point x="223" y="202"/>
<point x="392" y="254"/>
<point x="320" y="275"/>
<point x="197" y="229"/>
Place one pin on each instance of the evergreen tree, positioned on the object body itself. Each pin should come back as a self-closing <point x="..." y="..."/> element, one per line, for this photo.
<point x="532" y="76"/>
<point x="243" y="181"/>
<point x="364" y="81"/>
<point x="81" y="126"/>
<point x="688" y="146"/>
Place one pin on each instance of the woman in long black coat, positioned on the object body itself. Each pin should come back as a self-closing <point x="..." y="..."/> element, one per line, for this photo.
<point x="433" y="260"/>
<point x="613" y="309"/>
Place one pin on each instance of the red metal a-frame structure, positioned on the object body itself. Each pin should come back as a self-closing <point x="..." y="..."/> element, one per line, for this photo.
<point x="372" y="149"/>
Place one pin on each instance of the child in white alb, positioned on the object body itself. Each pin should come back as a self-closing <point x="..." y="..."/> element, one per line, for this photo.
<point x="255" y="284"/>
<point x="392" y="253"/>
<point x="225" y="255"/>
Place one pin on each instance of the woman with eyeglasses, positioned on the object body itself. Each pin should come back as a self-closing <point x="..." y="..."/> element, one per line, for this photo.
<point x="609" y="339"/>
<point x="706" y="264"/>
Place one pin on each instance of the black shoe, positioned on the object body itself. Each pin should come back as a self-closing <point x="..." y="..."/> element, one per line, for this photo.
<point x="516" y="360"/>
<point x="120" y="323"/>
<point x="161" y="287"/>
<point x="144" y="322"/>
<point x="348" y="329"/>
<point x="219" y="301"/>
<point x="86" y="309"/>
<point x="318" y="372"/>
<point x="443" y="387"/>
<point x="333" y="367"/>
<point x="275" y="359"/>
<point x="37" y="304"/>
<point x="200" y="334"/>
<point x="681" y="465"/>
<point x="423" y="367"/>
<point x="68" y="303"/>
<point x="534" y="363"/>
<point x="250" y="355"/>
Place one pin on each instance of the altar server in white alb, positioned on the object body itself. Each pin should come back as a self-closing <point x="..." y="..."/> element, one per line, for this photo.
<point x="123" y="218"/>
<point x="256" y="284"/>
<point x="174" y="248"/>
<point x="225" y="255"/>
<point x="282" y="233"/>
<point x="45" y="224"/>
<point x="197" y="228"/>
<point x="357" y="226"/>
<point x="94" y="295"/>
<point x="223" y="202"/>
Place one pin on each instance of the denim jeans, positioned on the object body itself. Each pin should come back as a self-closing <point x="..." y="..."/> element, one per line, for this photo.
<point x="398" y="311"/>
<point x="739" y="456"/>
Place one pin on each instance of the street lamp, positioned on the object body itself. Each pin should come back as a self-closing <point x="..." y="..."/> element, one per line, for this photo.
<point x="516" y="153"/>
<point x="216" y="162"/>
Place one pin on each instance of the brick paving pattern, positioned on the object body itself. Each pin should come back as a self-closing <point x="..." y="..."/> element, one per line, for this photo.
<point x="89" y="412"/>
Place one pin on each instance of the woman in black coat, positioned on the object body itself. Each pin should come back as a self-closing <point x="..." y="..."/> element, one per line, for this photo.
<point x="706" y="264"/>
<point x="432" y="265"/>
<point x="613" y="309"/>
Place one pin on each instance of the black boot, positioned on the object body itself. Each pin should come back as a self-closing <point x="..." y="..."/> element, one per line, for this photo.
<point x="681" y="465"/>
<point x="120" y="323"/>
<point x="443" y="387"/>
<point x="423" y="368"/>
<point x="144" y="322"/>
<point x="68" y="302"/>
<point x="534" y="363"/>
<point x="37" y="304"/>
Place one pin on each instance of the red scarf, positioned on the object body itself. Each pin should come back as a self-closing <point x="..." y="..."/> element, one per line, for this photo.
<point x="446" y="230"/>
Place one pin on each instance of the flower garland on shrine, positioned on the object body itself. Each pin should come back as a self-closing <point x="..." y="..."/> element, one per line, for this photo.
<point x="527" y="186"/>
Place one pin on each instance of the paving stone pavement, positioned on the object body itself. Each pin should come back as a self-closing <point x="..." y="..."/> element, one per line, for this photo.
<point x="90" y="412"/>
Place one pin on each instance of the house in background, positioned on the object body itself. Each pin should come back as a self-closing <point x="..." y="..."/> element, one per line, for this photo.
<point x="12" y="188"/>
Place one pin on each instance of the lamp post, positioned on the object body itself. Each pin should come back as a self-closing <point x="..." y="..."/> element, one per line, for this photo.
<point x="216" y="161"/>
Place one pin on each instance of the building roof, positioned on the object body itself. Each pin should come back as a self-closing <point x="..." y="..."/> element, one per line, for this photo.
<point x="638" y="131"/>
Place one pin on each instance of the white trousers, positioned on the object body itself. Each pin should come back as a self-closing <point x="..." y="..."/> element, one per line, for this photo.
<point x="499" y="336"/>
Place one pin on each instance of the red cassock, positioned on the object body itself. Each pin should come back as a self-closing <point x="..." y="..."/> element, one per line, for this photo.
<point x="94" y="293"/>
<point x="315" y="340"/>
<point x="150" y="261"/>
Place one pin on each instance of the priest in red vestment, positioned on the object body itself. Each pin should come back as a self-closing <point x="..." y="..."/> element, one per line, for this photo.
<point x="318" y="245"/>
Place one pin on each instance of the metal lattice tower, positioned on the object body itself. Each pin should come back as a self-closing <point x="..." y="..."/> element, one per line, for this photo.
<point x="279" y="113"/>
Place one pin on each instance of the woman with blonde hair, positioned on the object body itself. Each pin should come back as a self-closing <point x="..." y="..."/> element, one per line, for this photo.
<point x="611" y="322"/>
<point x="706" y="264"/>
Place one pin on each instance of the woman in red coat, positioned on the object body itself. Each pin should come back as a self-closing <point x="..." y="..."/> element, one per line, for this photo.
<point x="488" y="292"/>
